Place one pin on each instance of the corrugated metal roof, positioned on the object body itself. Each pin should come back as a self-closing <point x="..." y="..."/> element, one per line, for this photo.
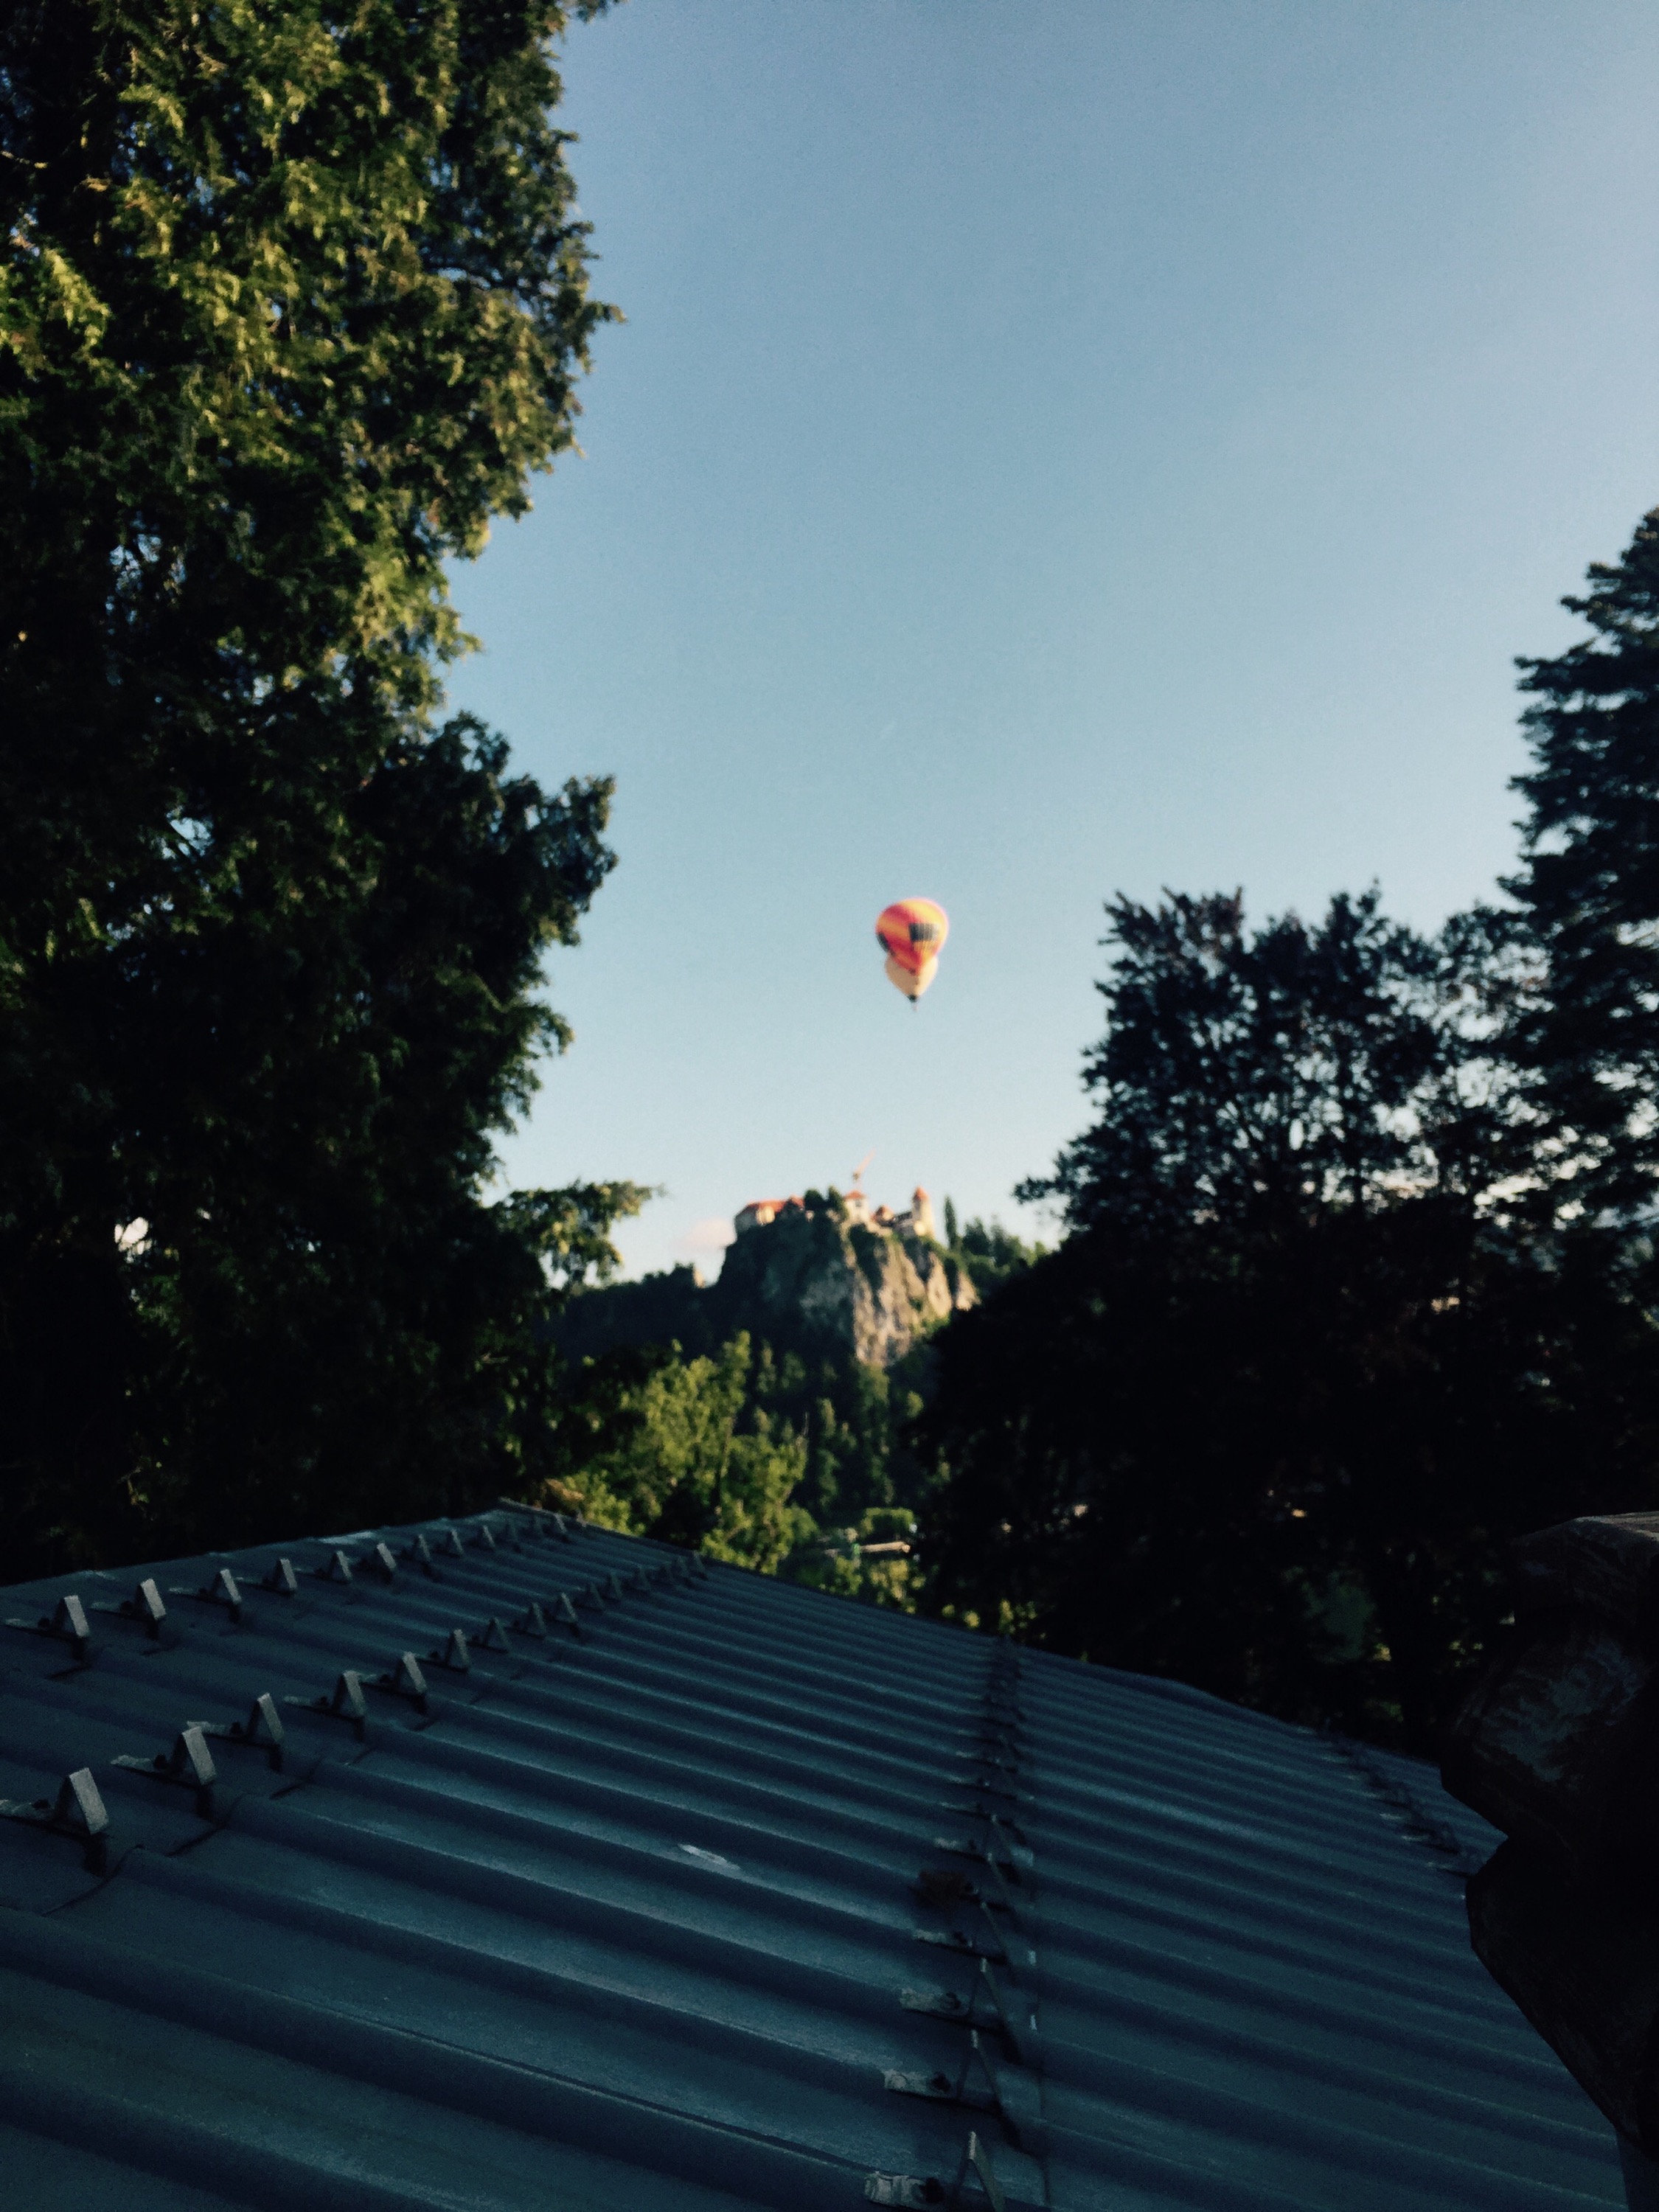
<point x="698" y="1890"/>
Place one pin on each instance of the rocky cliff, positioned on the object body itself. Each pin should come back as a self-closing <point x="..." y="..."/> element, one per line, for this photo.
<point x="867" y="1291"/>
<point x="810" y="1283"/>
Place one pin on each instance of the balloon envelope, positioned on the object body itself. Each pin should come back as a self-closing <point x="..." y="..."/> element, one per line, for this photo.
<point x="911" y="933"/>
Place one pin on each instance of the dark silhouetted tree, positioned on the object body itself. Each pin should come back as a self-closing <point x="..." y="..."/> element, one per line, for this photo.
<point x="1590" y="886"/>
<point x="1264" y="1419"/>
<point x="293" y="301"/>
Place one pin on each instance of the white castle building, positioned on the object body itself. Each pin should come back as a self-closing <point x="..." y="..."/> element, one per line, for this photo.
<point x="917" y="1219"/>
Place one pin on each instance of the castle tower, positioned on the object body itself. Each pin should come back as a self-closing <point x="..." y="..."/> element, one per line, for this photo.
<point x="922" y="1212"/>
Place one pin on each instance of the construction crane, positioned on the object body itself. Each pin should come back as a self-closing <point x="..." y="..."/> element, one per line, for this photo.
<point x="858" y="1172"/>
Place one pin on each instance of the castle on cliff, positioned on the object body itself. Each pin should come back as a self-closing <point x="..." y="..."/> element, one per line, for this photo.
<point x="835" y="1277"/>
<point x="917" y="1219"/>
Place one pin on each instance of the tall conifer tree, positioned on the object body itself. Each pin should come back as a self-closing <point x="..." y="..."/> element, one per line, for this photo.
<point x="1590" y="887"/>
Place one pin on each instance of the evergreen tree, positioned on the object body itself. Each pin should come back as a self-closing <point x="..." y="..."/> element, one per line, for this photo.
<point x="292" y="300"/>
<point x="990" y="1255"/>
<point x="1589" y="1036"/>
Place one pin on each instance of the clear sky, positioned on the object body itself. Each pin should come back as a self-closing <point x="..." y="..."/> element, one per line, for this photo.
<point x="1052" y="449"/>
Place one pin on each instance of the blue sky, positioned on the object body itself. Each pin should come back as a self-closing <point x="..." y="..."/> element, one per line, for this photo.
<point x="1052" y="449"/>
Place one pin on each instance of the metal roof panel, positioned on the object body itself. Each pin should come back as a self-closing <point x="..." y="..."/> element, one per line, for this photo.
<point x="672" y="1888"/>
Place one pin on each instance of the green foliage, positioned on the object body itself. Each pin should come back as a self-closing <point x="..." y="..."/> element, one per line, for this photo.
<point x="872" y="1559"/>
<point x="861" y="1482"/>
<point x="291" y="303"/>
<point x="1270" y="1080"/>
<point x="678" y="1450"/>
<point x="1589" y="1037"/>
<point x="989" y="1254"/>
<point x="1191" y="1462"/>
<point x="1266" y="1418"/>
<point x="853" y="1417"/>
<point x="652" y="1437"/>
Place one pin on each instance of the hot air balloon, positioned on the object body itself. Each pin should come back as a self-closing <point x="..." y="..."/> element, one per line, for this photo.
<point x="912" y="933"/>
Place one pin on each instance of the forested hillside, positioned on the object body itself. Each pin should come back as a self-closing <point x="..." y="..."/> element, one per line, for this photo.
<point x="767" y="1416"/>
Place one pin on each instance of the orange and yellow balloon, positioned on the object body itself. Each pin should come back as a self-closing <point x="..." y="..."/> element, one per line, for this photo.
<point x="912" y="933"/>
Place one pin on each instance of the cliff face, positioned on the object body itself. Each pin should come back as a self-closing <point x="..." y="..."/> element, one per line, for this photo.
<point x="817" y="1282"/>
<point x="805" y="1283"/>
